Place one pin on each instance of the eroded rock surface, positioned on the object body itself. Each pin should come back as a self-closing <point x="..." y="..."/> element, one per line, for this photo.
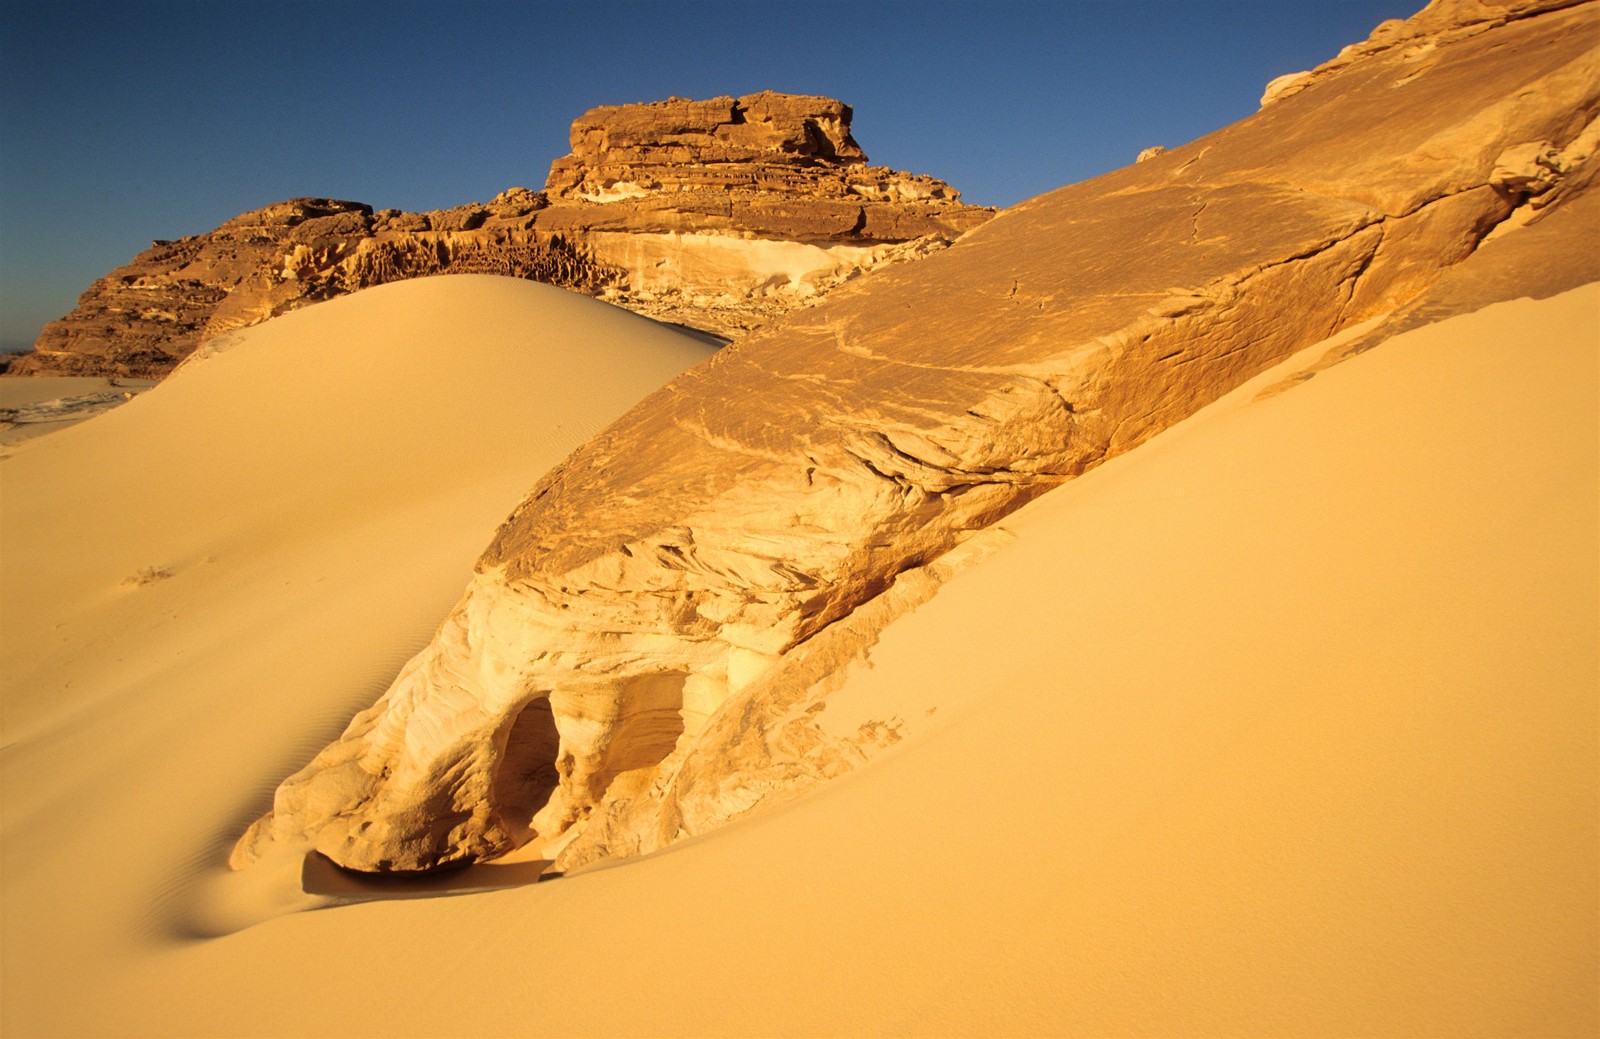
<point x="646" y="646"/>
<point x="718" y="214"/>
<point x="1441" y="22"/>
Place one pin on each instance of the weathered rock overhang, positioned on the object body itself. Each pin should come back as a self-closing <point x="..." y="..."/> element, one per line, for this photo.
<point x="684" y="590"/>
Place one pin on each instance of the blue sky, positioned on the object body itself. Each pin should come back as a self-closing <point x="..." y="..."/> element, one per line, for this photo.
<point x="121" y="122"/>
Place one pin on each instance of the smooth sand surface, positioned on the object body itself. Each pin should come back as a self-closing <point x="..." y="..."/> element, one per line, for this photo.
<point x="200" y="587"/>
<point x="1283" y="724"/>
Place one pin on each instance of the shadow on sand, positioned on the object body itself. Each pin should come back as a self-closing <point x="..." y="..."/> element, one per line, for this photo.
<point x="321" y="877"/>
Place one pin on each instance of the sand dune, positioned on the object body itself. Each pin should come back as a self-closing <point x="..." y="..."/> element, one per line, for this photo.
<point x="1281" y="724"/>
<point x="201" y="586"/>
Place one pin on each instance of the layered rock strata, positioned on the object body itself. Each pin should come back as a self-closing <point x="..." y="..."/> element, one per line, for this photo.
<point x="648" y="645"/>
<point x="717" y="214"/>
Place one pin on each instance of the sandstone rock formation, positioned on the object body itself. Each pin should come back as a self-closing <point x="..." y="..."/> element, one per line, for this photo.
<point x="717" y="214"/>
<point x="647" y="646"/>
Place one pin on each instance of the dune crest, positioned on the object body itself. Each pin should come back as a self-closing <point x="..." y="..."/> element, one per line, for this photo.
<point x="239" y="491"/>
<point x="643" y="650"/>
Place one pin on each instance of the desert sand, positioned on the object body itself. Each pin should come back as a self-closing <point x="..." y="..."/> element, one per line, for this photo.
<point x="284" y="519"/>
<point x="1171" y="609"/>
<point x="1281" y="724"/>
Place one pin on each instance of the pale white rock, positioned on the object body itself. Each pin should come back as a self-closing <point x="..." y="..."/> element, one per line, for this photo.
<point x="1283" y="86"/>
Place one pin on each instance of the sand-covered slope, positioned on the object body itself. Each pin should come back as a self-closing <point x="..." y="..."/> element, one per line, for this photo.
<point x="435" y="405"/>
<point x="1282" y="724"/>
<point x="217" y="573"/>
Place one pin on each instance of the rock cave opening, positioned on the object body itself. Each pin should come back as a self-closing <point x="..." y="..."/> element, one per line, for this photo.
<point x="527" y="774"/>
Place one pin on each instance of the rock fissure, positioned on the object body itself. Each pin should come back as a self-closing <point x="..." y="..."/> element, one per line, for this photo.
<point x="1353" y="279"/>
<point x="1194" y="227"/>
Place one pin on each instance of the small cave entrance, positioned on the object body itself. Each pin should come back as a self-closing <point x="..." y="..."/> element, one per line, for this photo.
<point x="644" y="732"/>
<point x="527" y="776"/>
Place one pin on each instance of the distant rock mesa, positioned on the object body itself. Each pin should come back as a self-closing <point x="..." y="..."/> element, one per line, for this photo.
<point x="648" y="646"/>
<point x="718" y="214"/>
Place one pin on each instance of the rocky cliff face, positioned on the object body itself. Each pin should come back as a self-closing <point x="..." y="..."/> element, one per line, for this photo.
<point x="647" y="648"/>
<point x="717" y="214"/>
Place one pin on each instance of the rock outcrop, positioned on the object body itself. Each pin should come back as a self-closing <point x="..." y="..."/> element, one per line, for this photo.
<point x="1441" y="22"/>
<point x="647" y="647"/>
<point x="718" y="214"/>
